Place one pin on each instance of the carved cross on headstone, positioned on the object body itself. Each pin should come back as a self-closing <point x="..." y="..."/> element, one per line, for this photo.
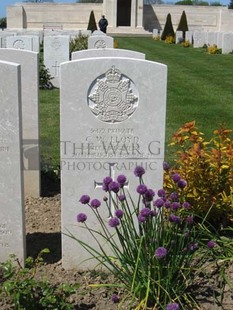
<point x="100" y="184"/>
<point x="56" y="69"/>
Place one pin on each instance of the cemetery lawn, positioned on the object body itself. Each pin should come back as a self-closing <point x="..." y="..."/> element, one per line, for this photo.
<point x="199" y="88"/>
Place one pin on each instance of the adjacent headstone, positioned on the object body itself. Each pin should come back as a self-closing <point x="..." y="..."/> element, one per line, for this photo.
<point x="227" y="43"/>
<point x="179" y="37"/>
<point x="56" y="51"/>
<point x="29" y="62"/>
<point x="12" y="230"/>
<point x="189" y="36"/>
<point x="155" y="33"/>
<point x="100" y="41"/>
<point x="20" y="42"/>
<point x="199" y="39"/>
<point x="0" y="42"/>
<point x="219" y="39"/>
<point x="112" y="120"/>
<point x="211" y="38"/>
<point x="107" y="52"/>
<point x="4" y="35"/>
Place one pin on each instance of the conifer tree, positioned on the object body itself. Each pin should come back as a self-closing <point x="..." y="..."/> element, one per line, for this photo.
<point x="92" y="23"/>
<point x="183" y="25"/>
<point x="168" y="28"/>
<point x="230" y="6"/>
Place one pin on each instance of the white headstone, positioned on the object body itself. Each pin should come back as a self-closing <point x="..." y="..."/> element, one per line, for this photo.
<point x="29" y="62"/>
<point x="189" y="36"/>
<point x="0" y="42"/>
<point x="219" y="39"/>
<point x="100" y="42"/>
<point x="56" y="51"/>
<point x="227" y="43"/>
<point x="111" y="122"/>
<point x="12" y="231"/>
<point x="179" y="37"/>
<point x="199" y="39"/>
<point x="20" y="42"/>
<point x="4" y="35"/>
<point x="211" y="38"/>
<point x="107" y="52"/>
<point x="155" y="33"/>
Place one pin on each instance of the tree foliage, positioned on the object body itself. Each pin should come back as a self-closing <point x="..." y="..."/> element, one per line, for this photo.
<point x="183" y="24"/>
<point x="3" y="23"/>
<point x="230" y="6"/>
<point x="92" y="23"/>
<point x="168" y="28"/>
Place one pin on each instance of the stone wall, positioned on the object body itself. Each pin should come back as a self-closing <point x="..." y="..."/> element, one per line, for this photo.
<point x="76" y="16"/>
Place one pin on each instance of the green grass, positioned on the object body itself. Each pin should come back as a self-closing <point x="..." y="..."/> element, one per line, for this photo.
<point x="200" y="88"/>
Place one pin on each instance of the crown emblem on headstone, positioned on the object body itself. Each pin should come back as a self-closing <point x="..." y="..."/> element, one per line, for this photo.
<point x="112" y="98"/>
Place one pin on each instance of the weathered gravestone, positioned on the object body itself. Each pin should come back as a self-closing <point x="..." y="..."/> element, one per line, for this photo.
<point x="100" y="41"/>
<point x="12" y="232"/>
<point x="56" y="51"/>
<point x="179" y="37"/>
<point x="219" y="39"/>
<point x="29" y="62"/>
<point x="189" y="36"/>
<point x="199" y="39"/>
<point x="211" y="38"/>
<point x="20" y="42"/>
<point x="227" y="43"/>
<point x="4" y="35"/>
<point x="107" y="52"/>
<point x="111" y="122"/>
<point x="155" y="33"/>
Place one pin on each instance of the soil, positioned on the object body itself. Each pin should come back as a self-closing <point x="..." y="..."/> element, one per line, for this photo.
<point x="43" y="230"/>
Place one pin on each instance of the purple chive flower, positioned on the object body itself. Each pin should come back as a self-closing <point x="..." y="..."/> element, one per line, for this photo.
<point x="161" y="252"/>
<point x="95" y="203"/>
<point x="81" y="217"/>
<point x="174" y="219"/>
<point x="174" y="196"/>
<point x="141" y="218"/>
<point x="189" y="220"/>
<point x="211" y="244"/>
<point x="114" y="187"/>
<point x="175" y="206"/>
<point x="167" y="204"/>
<point x="145" y="212"/>
<point x="119" y="213"/>
<point x="161" y="192"/>
<point x="139" y="171"/>
<point x="106" y="182"/>
<point x="84" y="199"/>
<point x="172" y="306"/>
<point x="141" y="189"/>
<point x="115" y="298"/>
<point x="165" y="166"/>
<point x="153" y="213"/>
<point x="121" y="197"/>
<point x="121" y="179"/>
<point x="193" y="246"/>
<point x="187" y="233"/>
<point x="113" y="222"/>
<point x="182" y="183"/>
<point x="149" y="194"/>
<point x="186" y="205"/>
<point x="176" y="177"/>
<point x="158" y="203"/>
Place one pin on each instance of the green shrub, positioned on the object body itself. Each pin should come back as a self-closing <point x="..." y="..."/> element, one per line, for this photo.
<point x="168" y="28"/>
<point x="78" y="43"/>
<point x="92" y="23"/>
<point x="183" y="25"/>
<point x="20" y="287"/>
<point x="207" y="166"/>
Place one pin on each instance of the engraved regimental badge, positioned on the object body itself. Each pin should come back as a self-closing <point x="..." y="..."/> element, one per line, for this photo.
<point x="113" y="97"/>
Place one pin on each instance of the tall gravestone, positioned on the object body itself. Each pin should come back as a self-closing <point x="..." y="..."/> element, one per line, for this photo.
<point x="100" y="40"/>
<point x="12" y="232"/>
<point x="20" y="42"/>
<point x="227" y="43"/>
<point x="199" y="39"/>
<point x="29" y="62"/>
<point x="107" y="52"/>
<point x="56" y="51"/>
<point x="111" y="122"/>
